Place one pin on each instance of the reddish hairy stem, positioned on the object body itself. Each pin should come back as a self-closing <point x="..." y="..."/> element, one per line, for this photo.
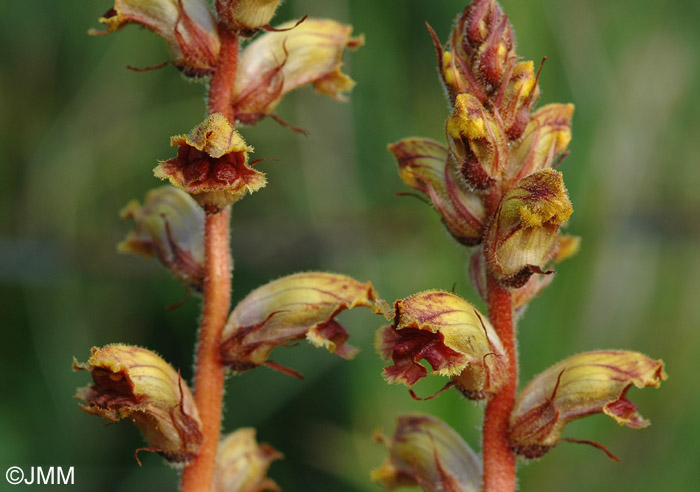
<point x="499" y="460"/>
<point x="209" y="372"/>
<point x="221" y="85"/>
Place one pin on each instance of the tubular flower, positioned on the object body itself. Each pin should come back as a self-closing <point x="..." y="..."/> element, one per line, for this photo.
<point x="426" y="452"/>
<point x="584" y="384"/>
<point x="242" y="463"/>
<point x="523" y="235"/>
<point x="291" y="308"/>
<point x="278" y="62"/>
<point x="477" y="143"/>
<point x="451" y="335"/>
<point x="547" y="135"/>
<point x="246" y="16"/>
<point x="423" y="166"/>
<point x="135" y="383"/>
<point x="212" y="164"/>
<point x="169" y="226"/>
<point x="187" y="26"/>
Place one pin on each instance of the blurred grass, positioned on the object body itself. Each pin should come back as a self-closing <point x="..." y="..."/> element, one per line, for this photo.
<point x="80" y="136"/>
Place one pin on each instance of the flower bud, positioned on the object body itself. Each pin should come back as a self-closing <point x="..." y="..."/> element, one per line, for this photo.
<point x="426" y="452"/>
<point x="522" y="237"/>
<point x="242" y="463"/>
<point x="212" y="164"/>
<point x="187" y="26"/>
<point x="476" y="142"/>
<point x="291" y="308"/>
<point x="582" y="385"/>
<point x="482" y="41"/>
<point x="276" y="63"/>
<point x="423" y="165"/>
<point x="451" y="335"/>
<point x="135" y="383"/>
<point x="170" y="227"/>
<point x="246" y="15"/>
<point x="547" y="134"/>
<point x="519" y="96"/>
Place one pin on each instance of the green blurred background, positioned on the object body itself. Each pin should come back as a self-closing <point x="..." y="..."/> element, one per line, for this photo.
<point x="80" y="135"/>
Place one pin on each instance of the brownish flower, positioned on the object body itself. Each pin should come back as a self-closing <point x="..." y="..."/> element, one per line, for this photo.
<point x="426" y="452"/>
<point x="522" y="237"/>
<point x="212" y="164"/>
<point x="424" y="166"/>
<point x="242" y="463"/>
<point x="276" y="63"/>
<point x="451" y="335"/>
<point x="170" y="227"/>
<point x="246" y="16"/>
<point x="582" y="385"/>
<point x="187" y="26"/>
<point x="136" y="384"/>
<point x="291" y="308"/>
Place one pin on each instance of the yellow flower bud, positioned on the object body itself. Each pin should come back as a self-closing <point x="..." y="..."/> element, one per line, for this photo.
<point x="476" y="142"/>
<point x="242" y="463"/>
<point x="187" y="26"/>
<point x="423" y="165"/>
<point x="522" y="237"/>
<point x="451" y="335"/>
<point x="170" y="227"/>
<point x="276" y="63"/>
<point x="426" y="452"/>
<point x="136" y="384"/>
<point x="291" y="308"/>
<point x="246" y="15"/>
<point x="582" y="385"/>
<point x="212" y="164"/>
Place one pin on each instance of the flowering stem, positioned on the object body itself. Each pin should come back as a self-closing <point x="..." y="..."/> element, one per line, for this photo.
<point x="499" y="460"/>
<point x="209" y="372"/>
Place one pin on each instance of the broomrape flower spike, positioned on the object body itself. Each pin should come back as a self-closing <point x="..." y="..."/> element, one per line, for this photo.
<point x="291" y="308"/>
<point x="136" y="384"/>
<point x="495" y="187"/>
<point x="582" y="385"/>
<point x="426" y="452"/>
<point x="188" y="27"/>
<point x="170" y="227"/>
<point x="451" y="335"/>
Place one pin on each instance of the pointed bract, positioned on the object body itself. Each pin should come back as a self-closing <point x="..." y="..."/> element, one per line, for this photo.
<point x="170" y="227"/>
<point x="582" y="385"/>
<point x="451" y="335"/>
<point x="423" y="166"/>
<point x="136" y="384"/>
<point x="187" y="26"/>
<point x="278" y="62"/>
<point x="426" y="452"/>
<point x="291" y="308"/>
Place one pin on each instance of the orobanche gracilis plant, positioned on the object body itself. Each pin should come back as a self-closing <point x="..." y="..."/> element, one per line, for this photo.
<point x="495" y="185"/>
<point x="186" y="226"/>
